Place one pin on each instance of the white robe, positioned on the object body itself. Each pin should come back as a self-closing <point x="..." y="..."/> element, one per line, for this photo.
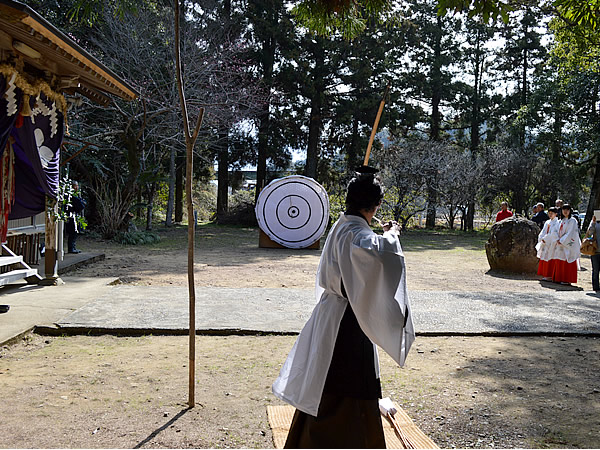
<point x="549" y="234"/>
<point x="568" y="247"/>
<point x="374" y="276"/>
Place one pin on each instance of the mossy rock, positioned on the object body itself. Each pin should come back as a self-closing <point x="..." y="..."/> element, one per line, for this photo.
<point x="511" y="246"/>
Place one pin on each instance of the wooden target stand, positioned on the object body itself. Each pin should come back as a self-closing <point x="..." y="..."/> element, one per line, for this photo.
<point x="265" y="241"/>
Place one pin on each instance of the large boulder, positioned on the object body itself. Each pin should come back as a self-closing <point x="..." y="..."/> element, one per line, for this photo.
<point x="511" y="246"/>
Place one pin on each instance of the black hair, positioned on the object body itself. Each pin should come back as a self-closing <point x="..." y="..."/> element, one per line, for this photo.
<point x="364" y="192"/>
<point x="567" y="206"/>
<point x="553" y="209"/>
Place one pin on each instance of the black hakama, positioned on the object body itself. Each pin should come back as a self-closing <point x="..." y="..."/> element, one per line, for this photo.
<point x="348" y="414"/>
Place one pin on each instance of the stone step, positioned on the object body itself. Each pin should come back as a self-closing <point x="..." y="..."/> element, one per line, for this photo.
<point x="8" y="260"/>
<point x="16" y="275"/>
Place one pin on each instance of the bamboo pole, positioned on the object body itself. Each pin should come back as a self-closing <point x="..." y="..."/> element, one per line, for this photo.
<point x="190" y="141"/>
<point x="375" y="125"/>
<point x="407" y="442"/>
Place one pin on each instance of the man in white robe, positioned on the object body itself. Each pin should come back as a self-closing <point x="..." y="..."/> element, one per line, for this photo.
<point x="361" y="288"/>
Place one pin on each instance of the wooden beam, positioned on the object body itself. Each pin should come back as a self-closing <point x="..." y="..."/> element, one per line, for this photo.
<point x="62" y="62"/>
<point x="5" y="40"/>
<point x="31" y="22"/>
<point x="75" y="155"/>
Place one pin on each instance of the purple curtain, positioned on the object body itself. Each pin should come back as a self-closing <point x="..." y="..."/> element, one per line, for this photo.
<point x="37" y="154"/>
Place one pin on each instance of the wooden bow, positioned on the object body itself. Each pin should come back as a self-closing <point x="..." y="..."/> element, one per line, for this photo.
<point x="376" y="124"/>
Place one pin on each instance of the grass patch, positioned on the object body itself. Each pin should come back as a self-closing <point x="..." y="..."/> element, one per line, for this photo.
<point x="137" y="238"/>
<point x="420" y="239"/>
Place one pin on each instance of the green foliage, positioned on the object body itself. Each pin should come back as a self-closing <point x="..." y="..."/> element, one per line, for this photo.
<point x="471" y="69"/>
<point x="241" y="209"/>
<point x="585" y="14"/>
<point x="573" y="51"/>
<point x="205" y="201"/>
<point x="346" y="17"/>
<point x="241" y="198"/>
<point x="349" y="17"/>
<point x="136" y="237"/>
<point x="337" y="205"/>
<point x="89" y="12"/>
<point x="487" y="9"/>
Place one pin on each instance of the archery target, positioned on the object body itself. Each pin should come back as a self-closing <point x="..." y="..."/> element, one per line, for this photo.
<point x="293" y="211"/>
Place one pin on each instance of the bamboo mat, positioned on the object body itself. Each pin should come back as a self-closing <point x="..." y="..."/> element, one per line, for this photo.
<point x="280" y="418"/>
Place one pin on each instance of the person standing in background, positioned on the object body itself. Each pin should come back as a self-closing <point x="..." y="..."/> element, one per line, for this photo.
<point x="504" y="212"/>
<point x="595" y="228"/>
<point x="73" y="209"/>
<point x="540" y="217"/>
<point x="559" y="204"/>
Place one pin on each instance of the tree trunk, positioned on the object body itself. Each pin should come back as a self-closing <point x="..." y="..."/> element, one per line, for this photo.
<point x="150" y="206"/>
<point x="436" y="117"/>
<point x="436" y="84"/>
<point x="594" y="202"/>
<point x="223" y="176"/>
<point x="451" y="217"/>
<point x="352" y="152"/>
<point x="314" y="134"/>
<point x="468" y="220"/>
<point x="267" y="63"/>
<point x="171" y="198"/>
<point x="524" y="97"/>
<point x="431" y="208"/>
<point x="555" y="148"/>
<point x="180" y="158"/>
<point x="316" y="114"/>
<point x="263" y="142"/>
<point x="138" y="211"/>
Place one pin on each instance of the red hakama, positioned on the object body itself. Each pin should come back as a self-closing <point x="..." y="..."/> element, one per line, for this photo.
<point x="564" y="272"/>
<point x="546" y="268"/>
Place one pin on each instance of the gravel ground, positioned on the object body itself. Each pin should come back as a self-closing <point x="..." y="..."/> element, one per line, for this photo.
<point x="110" y="392"/>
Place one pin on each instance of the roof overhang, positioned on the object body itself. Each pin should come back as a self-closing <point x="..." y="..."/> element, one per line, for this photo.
<point x="26" y="34"/>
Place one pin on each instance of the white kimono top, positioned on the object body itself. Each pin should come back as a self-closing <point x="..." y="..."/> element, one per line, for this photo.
<point x="549" y="234"/>
<point x="374" y="276"/>
<point x="570" y="243"/>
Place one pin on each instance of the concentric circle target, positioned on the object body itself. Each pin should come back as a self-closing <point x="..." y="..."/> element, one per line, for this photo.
<point x="293" y="211"/>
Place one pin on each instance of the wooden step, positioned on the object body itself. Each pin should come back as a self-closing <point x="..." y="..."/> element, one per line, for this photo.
<point x="8" y="260"/>
<point x="17" y="275"/>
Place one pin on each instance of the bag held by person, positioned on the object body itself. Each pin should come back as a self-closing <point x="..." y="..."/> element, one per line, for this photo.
<point x="589" y="245"/>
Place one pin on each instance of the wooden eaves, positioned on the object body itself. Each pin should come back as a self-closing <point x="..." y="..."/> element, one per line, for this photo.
<point x="23" y="30"/>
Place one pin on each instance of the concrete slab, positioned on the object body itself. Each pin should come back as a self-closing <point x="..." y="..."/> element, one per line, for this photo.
<point x="165" y="309"/>
<point x="32" y="305"/>
<point x="507" y="313"/>
<point x="157" y="309"/>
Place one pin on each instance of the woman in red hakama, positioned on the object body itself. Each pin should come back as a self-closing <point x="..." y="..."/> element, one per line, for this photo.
<point x="567" y="249"/>
<point x="546" y="245"/>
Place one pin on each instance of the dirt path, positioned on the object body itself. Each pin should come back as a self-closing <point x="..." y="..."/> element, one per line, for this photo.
<point x="230" y="257"/>
<point x="105" y="392"/>
<point x="109" y="392"/>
